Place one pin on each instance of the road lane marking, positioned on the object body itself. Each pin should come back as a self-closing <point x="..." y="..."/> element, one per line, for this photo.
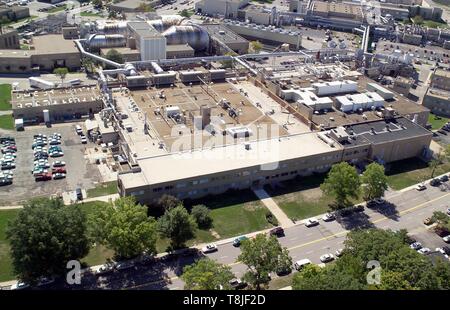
<point x="223" y="256"/>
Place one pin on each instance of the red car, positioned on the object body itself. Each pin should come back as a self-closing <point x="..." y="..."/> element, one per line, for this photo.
<point x="43" y="177"/>
<point x="58" y="170"/>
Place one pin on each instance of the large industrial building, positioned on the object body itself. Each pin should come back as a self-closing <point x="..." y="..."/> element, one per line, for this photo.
<point x="149" y="41"/>
<point x="56" y="105"/>
<point x="437" y="98"/>
<point x="48" y="52"/>
<point x="197" y="138"/>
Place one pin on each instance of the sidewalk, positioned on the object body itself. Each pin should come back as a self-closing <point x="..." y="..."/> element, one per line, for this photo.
<point x="265" y="198"/>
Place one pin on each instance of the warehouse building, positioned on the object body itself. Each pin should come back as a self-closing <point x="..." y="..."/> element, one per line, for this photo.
<point x="14" y="13"/>
<point x="56" y="105"/>
<point x="224" y="39"/>
<point x="49" y="52"/>
<point x="437" y="98"/>
<point x="224" y="8"/>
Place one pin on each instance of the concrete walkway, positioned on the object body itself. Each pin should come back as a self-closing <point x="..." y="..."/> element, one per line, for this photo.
<point x="265" y="198"/>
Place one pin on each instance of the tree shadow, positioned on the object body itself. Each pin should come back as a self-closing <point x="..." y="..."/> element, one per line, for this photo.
<point x="355" y="220"/>
<point x="387" y="209"/>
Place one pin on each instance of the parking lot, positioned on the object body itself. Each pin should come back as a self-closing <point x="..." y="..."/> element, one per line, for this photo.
<point x="80" y="173"/>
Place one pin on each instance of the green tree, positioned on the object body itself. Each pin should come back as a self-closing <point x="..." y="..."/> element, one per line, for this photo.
<point x="343" y="183"/>
<point x="44" y="237"/>
<point x="401" y="267"/>
<point x="207" y="274"/>
<point x="125" y="228"/>
<point x="177" y="225"/>
<point x="392" y="280"/>
<point x="374" y="181"/>
<point x="114" y="55"/>
<point x="202" y="216"/>
<point x="228" y="63"/>
<point x="61" y="72"/>
<point x="145" y="7"/>
<point x="418" y="20"/>
<point x="166" y="202"/>
<point x="256" y="46"/>
<point x="97" y="3"/>
<point x="185" y="13"/>
<point x="262" y="255"/>
<point x="88" y="64"/>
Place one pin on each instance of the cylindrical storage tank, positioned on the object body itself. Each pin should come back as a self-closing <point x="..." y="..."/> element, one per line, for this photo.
<point x="166" y="22"/>
<point x="193" y="35"/>
<point x="98" y="41"/>
<point x="46" y="116"/>
<point x="108" y="27"/>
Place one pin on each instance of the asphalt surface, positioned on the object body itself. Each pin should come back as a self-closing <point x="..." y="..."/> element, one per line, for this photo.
<point x="405" y="210"/>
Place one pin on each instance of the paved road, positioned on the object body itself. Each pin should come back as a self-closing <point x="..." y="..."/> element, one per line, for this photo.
<point x="406" y="209"/>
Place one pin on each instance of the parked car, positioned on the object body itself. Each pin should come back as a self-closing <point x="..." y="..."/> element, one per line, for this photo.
<point x="328" y="217"/>
<point x="277" y="231"/>
<point x="83" y="139"/>
<point x="107" y="268"/>
<point x="443" y="251"/>
<point x="79" y="193"/>
<point x="311" y="222"/>
<point x="339" y="252"/>
<point x="43" y="177"/>
<point x="416" y="246"/>
<point x="301" y="263"/>
<point x="5" y="181"/>
<point x="448" y="211"/>
<point x="124" y="265"/>
<point x="376" y="202"/>
<point x="19" y="286"/>
<point x="446" y="239"/>
<point x="59" y="163"/>
<point x="209" y="248"/>
<point x="56" y="154"/>
<point x="59" y="170"/>
<point x="421" y="187"/>
<point x="237" y="242"/>
<point x="424" y="251"/>
<point x="325" y="258"/>
<point x="237" y="284"/>
<point x="359" y="208"/>
<point x="58" y="176"/>
<point x="443" y="178"/>
<point x="435" y="182"/>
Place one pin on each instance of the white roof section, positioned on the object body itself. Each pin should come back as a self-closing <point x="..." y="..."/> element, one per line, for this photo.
<point x="197" y="163"/>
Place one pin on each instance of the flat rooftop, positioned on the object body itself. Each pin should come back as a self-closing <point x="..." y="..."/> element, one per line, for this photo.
<point x="384" y="131"/>
<point x="336" y="118"/>
<point x="143" y="29"/>
<point x="44" y="45"/>
<point x="189" y="100"/>
<point x="265" y="153"/>
<point x="223" y="33"/>
<point x="25" y="99"/>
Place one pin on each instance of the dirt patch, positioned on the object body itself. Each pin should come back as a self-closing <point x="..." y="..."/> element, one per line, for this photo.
<point x="214" y="233"/>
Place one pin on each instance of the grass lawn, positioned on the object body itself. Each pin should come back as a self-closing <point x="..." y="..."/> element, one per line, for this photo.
<point x="7" y="122"/>
<point x="102" y="189"/>
<point x="5" y="97"/>
<point x="235" y="213"/>
<point x="57" y="9"/>
<point x="433" y="24"/>
<point x="408" y="172"/>
<point x="437" y="121"/>
<point x="301" y="198"/>
<point x="6" y="269"/>
<point x="90" y="14"/>
<point x="281" y="282"/>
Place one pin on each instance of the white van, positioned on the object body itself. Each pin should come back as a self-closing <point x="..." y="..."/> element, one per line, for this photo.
<point x="301" y="263"/>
